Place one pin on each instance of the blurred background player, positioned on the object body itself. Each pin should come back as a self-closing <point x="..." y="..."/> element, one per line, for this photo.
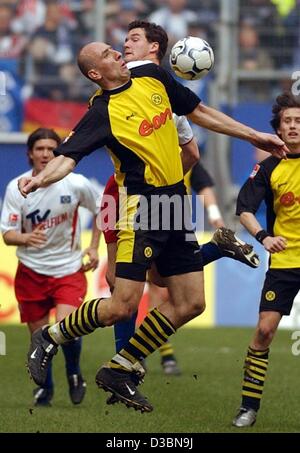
<point x="45" y="228"/>
<point x="148" y="42"/>
<point x="276" y="181"/>
<point x="202" y="184"/>
<point x="198" y="180"/>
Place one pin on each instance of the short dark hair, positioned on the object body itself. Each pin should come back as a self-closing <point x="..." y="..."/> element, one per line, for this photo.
<point x="284" y="101"/>
<point x="40" y="134"/>
<point x="153" y="33"/>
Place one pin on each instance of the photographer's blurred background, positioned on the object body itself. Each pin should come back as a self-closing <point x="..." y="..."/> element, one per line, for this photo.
<point x="256" y="43"/>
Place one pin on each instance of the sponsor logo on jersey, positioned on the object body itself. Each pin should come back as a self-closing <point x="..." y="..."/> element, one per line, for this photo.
<point x="13" y="219"/>
<point x="65" y="199"/>
<point x="45" y="221"/>
<point x="289" y="199"/>
<point x="146" y="127"/>
<point x="132" y="115"/>
<point x="36" y="217"/>
<point x="54" y="221"/>
<point x="254" y="171"/>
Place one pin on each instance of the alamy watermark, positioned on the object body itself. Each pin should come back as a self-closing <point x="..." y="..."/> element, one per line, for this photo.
<point x="296" y="345"/>
<point x="2" y="83"/>
<point x="296" y="85"/>
<point x="150" y="213"/>
<point x="2" y="343"/>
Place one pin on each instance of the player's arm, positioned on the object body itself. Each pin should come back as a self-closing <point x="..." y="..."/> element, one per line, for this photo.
<point x="211" y="205"/>
<point x="89" y="134"/>
<point x="89" y="198"/>
<point x="270" y="243"/>
<point x="216" y="121"/>
<point x="55" y="170"/>
<point x="36" y="238"/>
<point x="202" y="183"/>
<point x="189" y="155"/>
<point x="11" y="221"/>
<point x="185" y="102"/>
<point x="92" y="250"/>
<point x="256" y="189"/>
<point x="190" y="151"/>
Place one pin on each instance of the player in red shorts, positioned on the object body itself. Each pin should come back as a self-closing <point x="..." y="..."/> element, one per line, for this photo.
<point x="45" y="228"/>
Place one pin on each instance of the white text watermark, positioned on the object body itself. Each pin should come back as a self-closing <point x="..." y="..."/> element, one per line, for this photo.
<point x="2" y="343"/>
<point x="2" y="83"/>
<point x="296" y="85"/>
<point x="296" y="345"/>
<point x="150" y="213"/>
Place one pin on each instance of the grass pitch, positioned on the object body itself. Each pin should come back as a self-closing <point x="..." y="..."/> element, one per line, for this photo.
<point x="203" y="400"/>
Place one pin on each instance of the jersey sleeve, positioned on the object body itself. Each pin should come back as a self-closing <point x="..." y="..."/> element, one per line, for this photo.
<point x="89" y="197"/>
<point x="89" y="134"/>
<point x="182" y="99"/>
<point x="200" y="178"/>
<point x="11" y="216"/>
<point x="254" y="191"/>
<point x="184" y="130"/>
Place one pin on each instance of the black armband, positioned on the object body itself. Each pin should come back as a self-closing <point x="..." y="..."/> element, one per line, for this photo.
<point x="261" y="235"/>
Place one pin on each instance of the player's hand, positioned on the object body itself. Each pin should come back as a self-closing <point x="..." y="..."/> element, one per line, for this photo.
<point x="271" y="143"/>
<point x="93" y="262"/>
<point x="27" y="185"/>
<point x="217" y="223"/>
<point x="37" y="238"/>
<point x="274" y="244"/>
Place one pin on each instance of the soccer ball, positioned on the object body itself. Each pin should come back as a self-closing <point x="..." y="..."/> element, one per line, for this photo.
<point x="191" y="58"/>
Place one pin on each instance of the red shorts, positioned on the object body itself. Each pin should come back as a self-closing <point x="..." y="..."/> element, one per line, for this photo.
<point x="37" y="293"/>
<point x="111" y="188"/>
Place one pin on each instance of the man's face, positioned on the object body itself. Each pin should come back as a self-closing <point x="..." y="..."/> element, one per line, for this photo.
<point x="109" y="67"/>
<point x="42" y="153"/>
<point x="136" y="46"/>
<point x="289" y="129"/>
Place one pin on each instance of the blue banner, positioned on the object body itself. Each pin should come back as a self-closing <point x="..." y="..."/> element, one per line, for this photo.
<point x="11" y="104"/>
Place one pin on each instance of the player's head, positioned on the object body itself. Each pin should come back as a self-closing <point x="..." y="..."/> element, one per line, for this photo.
<point x="103" y="65"/>
<point x="40" y="146"/>
<point x="286" y="119"/>
<point x="145" y="41"/>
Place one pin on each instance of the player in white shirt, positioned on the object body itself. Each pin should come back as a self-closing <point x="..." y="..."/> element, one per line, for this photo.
<point x="45" y="228"/>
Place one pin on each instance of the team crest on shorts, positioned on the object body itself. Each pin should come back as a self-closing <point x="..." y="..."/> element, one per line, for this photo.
<point x="270" y="296"/>
<point x="148" y="252"/>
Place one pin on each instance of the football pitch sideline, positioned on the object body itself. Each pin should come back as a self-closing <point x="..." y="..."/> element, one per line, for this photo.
<point x="204" y="399"/>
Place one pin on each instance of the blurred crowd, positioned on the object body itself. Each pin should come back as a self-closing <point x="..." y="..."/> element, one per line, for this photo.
<point x="39" y="39"/>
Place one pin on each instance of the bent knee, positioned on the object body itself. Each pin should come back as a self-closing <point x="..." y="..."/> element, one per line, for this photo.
<point x="121" y="312"/>
<point x="191" y="310"/>
<point x="126" y="313"/>
<point x="199" y="307"/>
<point x="266" y="331"/>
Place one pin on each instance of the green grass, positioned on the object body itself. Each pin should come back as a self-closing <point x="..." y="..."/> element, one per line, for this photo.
<point x="203" y="400"/>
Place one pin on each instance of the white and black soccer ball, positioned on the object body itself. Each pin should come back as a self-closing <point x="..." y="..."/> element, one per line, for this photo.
<point x="191" y="58"/>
